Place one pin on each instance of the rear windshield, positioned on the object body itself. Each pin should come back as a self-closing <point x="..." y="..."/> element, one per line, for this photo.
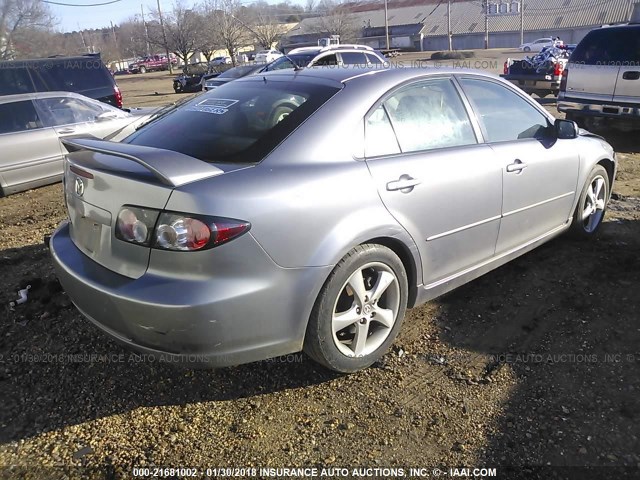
<point x="69" y="74"/>
<point x="609" y="46"/>
<point x="239" y="122"/>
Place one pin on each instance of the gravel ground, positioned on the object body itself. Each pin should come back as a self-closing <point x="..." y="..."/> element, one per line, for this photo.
<point x="536" y="363"/>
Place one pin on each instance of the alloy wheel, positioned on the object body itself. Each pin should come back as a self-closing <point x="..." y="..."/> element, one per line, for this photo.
<point x="366" y="310"/>
<point x="594" y="203"/>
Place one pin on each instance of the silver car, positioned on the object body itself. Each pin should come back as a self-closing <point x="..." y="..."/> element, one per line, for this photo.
<point x="31" y="126"/>
<point x="228" y="231"/>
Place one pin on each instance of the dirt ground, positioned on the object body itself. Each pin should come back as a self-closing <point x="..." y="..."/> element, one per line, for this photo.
<point x="534" y="364"/>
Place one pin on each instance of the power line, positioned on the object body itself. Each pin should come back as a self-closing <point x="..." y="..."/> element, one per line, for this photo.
<point x="80" y="5"/>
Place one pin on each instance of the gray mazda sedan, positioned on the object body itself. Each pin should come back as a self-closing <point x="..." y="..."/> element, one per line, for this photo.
<point x="306" y="210"/>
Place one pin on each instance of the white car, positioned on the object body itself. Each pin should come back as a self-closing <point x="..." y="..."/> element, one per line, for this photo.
<point x="221" y="61"/>
<point x="266" y="56"/>
<point x="32" y="124"/>
<point x="537" y="45"/>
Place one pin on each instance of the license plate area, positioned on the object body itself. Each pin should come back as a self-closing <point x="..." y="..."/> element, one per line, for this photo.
<point x="87" y="234"/>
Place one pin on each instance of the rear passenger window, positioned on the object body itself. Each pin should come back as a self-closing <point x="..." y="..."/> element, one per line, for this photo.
<point x="504" y="115"/>
<point x="429" y="115"/>
<point x="18" y="117"/>
<point x="74" y="75"/>
<point x="325" y="61"/>
<point x="353" y="58"/>
<point x="379" y="136"/>
<point x="14" y="81"/>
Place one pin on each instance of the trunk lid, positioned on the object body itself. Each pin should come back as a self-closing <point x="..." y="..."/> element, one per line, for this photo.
<point x="101" y="177"/>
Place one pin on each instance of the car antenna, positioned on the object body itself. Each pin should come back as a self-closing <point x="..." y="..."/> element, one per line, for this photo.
<point x="296" y="67"/>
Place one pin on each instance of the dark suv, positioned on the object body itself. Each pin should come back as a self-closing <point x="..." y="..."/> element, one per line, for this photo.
<point x="601" y="82"/>
<point x="85" y="74"/>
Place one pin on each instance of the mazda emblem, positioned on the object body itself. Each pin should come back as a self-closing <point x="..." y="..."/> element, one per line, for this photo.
<point x="79" y="187"/>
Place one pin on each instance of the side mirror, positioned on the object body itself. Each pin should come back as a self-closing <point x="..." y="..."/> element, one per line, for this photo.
<point x="566" y="129"/>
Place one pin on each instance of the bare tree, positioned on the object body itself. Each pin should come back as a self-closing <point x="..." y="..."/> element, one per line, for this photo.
<point x="132" y="38"/>
<point x="210" y="40"/>
<point x="229" y="20"/>
<point x="310" y="6"/>
<point x="19" y="21"/>
<point x="337" y="20"/>
<point x="183" y="28"/>
<point x="266" y="29"/>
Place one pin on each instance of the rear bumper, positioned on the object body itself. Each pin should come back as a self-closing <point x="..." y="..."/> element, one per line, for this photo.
<point x="215" y="322"/>
<point x="599" y="109"/>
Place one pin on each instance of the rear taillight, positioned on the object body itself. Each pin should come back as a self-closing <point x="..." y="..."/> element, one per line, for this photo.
<point x="563" y="81"/>
<point x="135" y="224"/>
<point x="118" y="94"/>
<point x="176" y="231"/>
<point x="557" y="69"/>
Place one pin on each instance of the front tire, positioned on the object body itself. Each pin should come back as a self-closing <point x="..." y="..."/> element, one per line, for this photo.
<point x="359" y="310"/>
<point x="527" y="49"/>
<point x="142" y="70"/>
<point x="591" y="204"/>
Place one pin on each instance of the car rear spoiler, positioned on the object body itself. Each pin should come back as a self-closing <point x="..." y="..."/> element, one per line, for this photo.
<point x="171" y="168"/>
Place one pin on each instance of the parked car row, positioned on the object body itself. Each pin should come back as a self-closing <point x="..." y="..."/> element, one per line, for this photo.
<point x="32" y="125"/>
<point x="294" y="209"/>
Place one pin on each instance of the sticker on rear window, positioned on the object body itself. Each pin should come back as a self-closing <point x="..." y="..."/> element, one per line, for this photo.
<point x="217" y="106"/>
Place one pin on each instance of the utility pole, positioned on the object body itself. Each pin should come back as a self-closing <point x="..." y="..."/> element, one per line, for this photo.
<point x="521" y="22"/>
<point x="164" y="39"/>
<point x="386" y="23"/>
<point x="486" y="24"/>
<point x="449" y="23"/>
<point x="146" y="31"/>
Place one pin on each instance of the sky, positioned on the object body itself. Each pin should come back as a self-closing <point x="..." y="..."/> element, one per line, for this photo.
<point x="77" y="18"/>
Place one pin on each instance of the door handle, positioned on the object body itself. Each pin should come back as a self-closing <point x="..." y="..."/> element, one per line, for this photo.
<point x="405" y="184"/>
<point x="631" y="75"/>
<point x="64" y="131"/>
<point x="516" y="166"/>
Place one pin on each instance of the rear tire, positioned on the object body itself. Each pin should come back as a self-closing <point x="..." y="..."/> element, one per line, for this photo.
<point x="527" y="49"/>
<point x="592" y="204"/>
<point x="359" y="310"/>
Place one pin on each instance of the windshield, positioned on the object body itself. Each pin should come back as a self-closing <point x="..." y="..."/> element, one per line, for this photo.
<point x="239" y="122"/>
<point x="238" y="72"/>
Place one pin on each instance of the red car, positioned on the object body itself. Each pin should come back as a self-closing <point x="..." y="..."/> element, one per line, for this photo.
<point x="152" y="63"/>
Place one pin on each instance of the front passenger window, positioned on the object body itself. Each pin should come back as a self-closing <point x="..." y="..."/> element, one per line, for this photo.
<point x="504" y="115"/>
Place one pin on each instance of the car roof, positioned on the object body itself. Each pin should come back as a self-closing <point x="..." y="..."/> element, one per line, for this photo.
<point x="331" y="48"/>
<point x="38" y="95"/>
<point x="347" y="73"/>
